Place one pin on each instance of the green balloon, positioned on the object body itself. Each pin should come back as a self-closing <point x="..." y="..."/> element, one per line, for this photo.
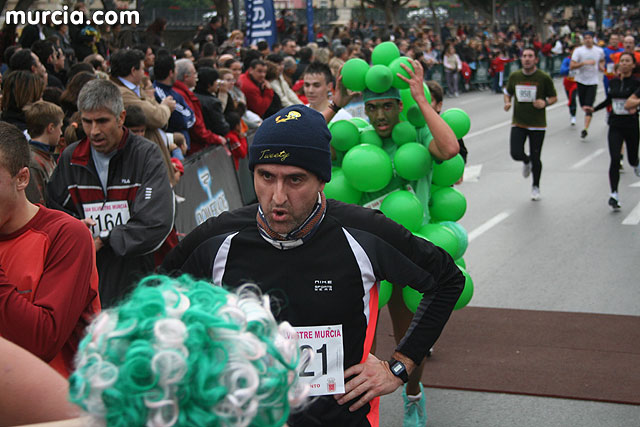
<point x="353" y="74"/>
<point x="448" y="172"/>
<point x="340" y="189"/>
<point x="460" y="262"/>
<point x="447" y="204"/>
<point x="411" y="298"/>
<point x="412" y="161"/>
<point x="415" y="117"/>
<point x="370" y="136"/>
<point x="367" y="167"/>
<point x="384" y="53"/>
<point x="359" y="122"/>
<point x="458" y="121"/>
<point x="467" y="292"/>
<point x="404" y="208"/>
<point x="384" y="295"/>
<point x="440" y="236"/>
<point x="434" y="188"/>
<point x="379" y="78"/>
<point x="461" y="235"/>
<point x="396" y="68"/>
<point x="404" y="132"/>
<point x="344" y="135"/>
<point x="407" y="99"/>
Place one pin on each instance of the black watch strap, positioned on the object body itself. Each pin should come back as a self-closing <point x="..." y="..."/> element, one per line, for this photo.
<point x="399" y="370"/>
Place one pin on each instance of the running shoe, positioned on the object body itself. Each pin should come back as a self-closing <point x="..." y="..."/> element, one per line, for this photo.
<point x="415" y="413"/>
<point x="614" y="204"/>
<point x="583" y="134"/>
<point x="526" y="169"/>
<point x="573" y="120"/>
<point x="535" y="193"/>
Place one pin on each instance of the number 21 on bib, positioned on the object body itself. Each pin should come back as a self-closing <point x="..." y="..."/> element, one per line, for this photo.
<point x="325" y="372"/>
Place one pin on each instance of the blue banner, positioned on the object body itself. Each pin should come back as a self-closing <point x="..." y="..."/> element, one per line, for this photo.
<point x="261" y="21"/>
<point x="310" y="33"/>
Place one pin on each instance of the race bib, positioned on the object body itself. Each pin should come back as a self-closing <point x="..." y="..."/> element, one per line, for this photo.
<point x="618" y="107"/>
<point x="106" y="215"/>
<point x="610" y="67"/>
<point x="325" y="372"/>
<point x="525" y="93"/>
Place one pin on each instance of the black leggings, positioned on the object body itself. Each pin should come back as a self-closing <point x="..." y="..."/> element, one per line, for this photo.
<point x="536" y="138"/>
<point x="618" y="135"/>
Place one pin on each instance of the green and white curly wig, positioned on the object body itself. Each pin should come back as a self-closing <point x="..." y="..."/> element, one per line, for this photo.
<point x="184" y="352"/>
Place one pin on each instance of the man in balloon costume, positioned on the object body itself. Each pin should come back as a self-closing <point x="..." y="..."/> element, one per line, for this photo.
<point x="389" y="163"/>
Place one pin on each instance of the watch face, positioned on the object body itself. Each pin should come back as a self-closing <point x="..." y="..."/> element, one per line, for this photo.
<point x="397" y="368"/>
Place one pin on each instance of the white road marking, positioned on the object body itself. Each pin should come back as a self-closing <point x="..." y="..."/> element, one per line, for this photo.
<point x="635" y="184"/>
<point x="505" y="123"/>
<point x="588" y="158"/>
<point x="488" y="225"/>
<point x="468" y="101"/>
<point x="485" y="130"/>
<point x="634" y="217"/>
<point x="472" y="173"/>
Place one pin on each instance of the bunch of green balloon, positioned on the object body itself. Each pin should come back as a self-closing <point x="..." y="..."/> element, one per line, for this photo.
<point x="379" y="78"/>
<point x="461" y="236"/>
<point x="412" y="297"/>
<point x="353" y="73"/>
<point x="404" y="132"/>
<point x="408" y="101"/>
<point x="385" y="53"/>
<point x="415" y="116"/>
<point x="447" y="204"/>
<point x="344" y="135"/>
<point x="467" y="292"/>
<point x="340" y="189"/>
<point x="412" y="161"/>
<point x="359" y="122"/>
<point x="396" y="68"/>
<point x="404" y="208"/>
<point x="367" y="167"/>
<point x="370" y="136"/>
<point x="448" y="172"/>
<point x="384" y="295"/>
<point x="458" y="121"/>
<point x="440" y="236"/>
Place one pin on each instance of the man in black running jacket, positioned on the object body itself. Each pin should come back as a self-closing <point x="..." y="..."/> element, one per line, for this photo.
<point x="321" y="262"/>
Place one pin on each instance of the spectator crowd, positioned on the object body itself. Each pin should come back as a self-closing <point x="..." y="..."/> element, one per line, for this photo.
<point x="111" y="113"/>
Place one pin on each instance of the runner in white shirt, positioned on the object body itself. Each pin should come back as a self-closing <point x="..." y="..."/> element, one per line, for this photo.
<point x="318" y="84"/>
<point x="587" y="60"/>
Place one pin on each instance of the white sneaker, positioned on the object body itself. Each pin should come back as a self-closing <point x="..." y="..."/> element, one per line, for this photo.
<point x="526" y="169"/>
<point x="535" y="193"/>
<point x="573" y="120"/>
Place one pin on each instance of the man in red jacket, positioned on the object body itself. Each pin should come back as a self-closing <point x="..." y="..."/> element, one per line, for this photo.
<point x="201" y="137"/>
<point x="256" y="88"/>
<point x="48" y="275"/>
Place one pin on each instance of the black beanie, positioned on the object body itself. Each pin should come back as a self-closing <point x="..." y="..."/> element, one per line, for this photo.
<point x="295" y="136"/>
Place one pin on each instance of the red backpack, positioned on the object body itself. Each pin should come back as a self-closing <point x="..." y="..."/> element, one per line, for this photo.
<point x="466" y="72"/>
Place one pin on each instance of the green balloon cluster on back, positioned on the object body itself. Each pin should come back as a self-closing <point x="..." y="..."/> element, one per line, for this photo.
<point x="369" y="165"/>
<point x="383" y="73"/>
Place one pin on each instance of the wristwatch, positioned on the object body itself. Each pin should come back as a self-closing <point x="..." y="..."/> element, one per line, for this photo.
<point x="399" y="370"/>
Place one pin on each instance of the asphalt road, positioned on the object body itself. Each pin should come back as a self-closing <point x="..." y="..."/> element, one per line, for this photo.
<point x="566" y="252"/>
